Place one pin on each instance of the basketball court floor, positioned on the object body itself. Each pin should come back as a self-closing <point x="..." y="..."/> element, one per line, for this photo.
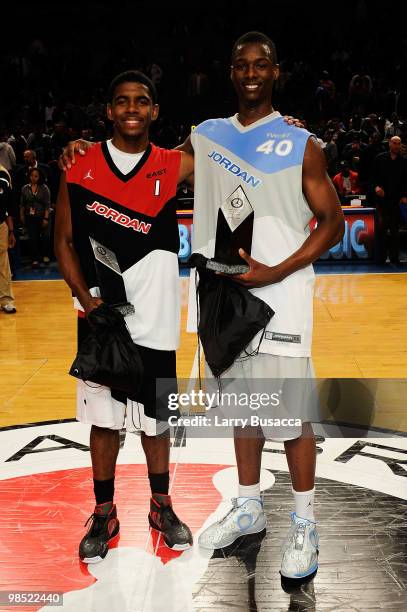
<point x="361" y="501"/>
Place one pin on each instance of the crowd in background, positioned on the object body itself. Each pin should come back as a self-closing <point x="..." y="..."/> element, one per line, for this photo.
<point x="347" y="84"/>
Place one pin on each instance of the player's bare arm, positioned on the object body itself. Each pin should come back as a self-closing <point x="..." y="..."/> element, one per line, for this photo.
<point x="64" y="250"/>
<point x="187" y="161"/>
<point x="67" y="157"/>
<point x="324" y="203"/>
<point x="186" y="146"/>
<point x="186" y="171"/>
<point x="80" y="146"/>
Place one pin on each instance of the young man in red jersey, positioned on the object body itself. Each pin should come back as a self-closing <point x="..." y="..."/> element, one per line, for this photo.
<point x="118" y="198"/>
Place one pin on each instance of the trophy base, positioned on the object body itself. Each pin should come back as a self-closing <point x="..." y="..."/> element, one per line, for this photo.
<point x="125" y="308"/>
<point x="225" y="268"/>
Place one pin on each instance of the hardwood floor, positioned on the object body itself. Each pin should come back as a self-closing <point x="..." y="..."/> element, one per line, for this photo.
<point x="360" y="331"/>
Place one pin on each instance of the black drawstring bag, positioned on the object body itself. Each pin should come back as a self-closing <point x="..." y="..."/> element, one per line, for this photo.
<point x="108" y="355"/>
<point x="229" y="317"/>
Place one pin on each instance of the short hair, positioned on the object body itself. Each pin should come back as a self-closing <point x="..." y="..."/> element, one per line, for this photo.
<point x="41" y="179"/>
<point x="132" y="76"/>
<point x="255" y="37"/>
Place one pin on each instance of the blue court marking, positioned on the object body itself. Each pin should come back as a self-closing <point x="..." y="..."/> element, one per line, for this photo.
<point x="358" y="268"/>
<point x="26" y="273"/>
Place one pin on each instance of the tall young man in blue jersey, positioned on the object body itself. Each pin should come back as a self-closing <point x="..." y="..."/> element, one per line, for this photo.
<point x="282" y="171"/>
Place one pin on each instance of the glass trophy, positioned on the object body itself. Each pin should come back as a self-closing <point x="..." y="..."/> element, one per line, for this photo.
<point x="110" y="279"/>
<point x="234" y="230"/>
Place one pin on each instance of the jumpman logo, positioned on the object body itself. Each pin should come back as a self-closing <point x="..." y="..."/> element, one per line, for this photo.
<point x="88" y="176"/>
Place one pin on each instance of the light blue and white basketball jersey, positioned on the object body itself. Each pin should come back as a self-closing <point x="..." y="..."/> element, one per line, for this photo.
<point x="265" y="159"/>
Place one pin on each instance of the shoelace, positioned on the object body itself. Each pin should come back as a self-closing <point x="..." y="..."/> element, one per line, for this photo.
<point x="168" y="513"/>
<point x="299" y="536"/>
<point x="99" y="522"/>
<point x="233" y="508"/>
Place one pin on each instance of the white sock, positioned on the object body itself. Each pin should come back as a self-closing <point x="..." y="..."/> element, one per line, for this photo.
<point x="304" y="504"/>
<point x="248" y="491"/>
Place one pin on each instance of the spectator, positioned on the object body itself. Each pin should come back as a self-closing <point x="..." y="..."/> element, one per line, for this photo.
<point x="49" y="107"/>
<point x="95" y="109"/>
<point x="7" y="155"/>
<point x="370" y="125"/>
<point x="366" y="164"/>
<point x="19" y="143"/>
<point x="22" y="173"/>
<point x="87" y="134"/>
<point x="381" y="124"/>
<point x="59" y="139"/>
<point x="346" y="181"/>
<point x="360" y="91"/>
<point x="355" y="131"/>
<point x="390" y="174"/>
<point x="325" y="96"/>
<point x="331" y="152"/>
<point x="339" y="133"/>
<point x="155" y="72"/>
<point x="101" y="131"/>
<point x="7" y="241"/>
<point x="403" y="138"/>
<point x="34" y="214"/>
<point x="394" y="128"/>
<point x="198" y="91"/>
<point x="40" y="143"/>
<point x="353" y="151"/>
<point x="282" y="85"/>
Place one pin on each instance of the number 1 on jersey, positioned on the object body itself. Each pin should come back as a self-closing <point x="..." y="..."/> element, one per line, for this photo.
<point x="157" y="187"/>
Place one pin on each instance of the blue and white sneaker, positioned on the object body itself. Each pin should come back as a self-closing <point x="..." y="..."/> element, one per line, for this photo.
<point x="241" y="520"/>
<point x="300" y="553"/>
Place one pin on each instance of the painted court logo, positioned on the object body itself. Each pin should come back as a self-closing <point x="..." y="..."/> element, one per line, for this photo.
<point x="49" y="463"/>
<point x="119" y="218"/>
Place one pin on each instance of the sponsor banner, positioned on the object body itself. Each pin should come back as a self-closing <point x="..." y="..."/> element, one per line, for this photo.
<point x="357" y="244"/>
<point x="185" y="227"/>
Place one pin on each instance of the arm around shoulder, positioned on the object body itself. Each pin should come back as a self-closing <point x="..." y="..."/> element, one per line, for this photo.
<point x="67" y="157"/>
<point x="186" y="172"/>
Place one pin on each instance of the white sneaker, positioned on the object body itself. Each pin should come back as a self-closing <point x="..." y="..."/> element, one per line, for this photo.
<point x="300" y="554"/>
<point x="247" y="518"/>
<point x="8" y="308"/>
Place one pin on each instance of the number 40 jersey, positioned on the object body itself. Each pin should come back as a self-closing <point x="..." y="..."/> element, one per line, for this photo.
<point x="265" y="160"/>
